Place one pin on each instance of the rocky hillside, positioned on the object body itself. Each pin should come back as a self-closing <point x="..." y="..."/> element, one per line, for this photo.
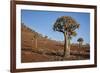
<point x="37" y="48"/>
<point x="29" y="37"/>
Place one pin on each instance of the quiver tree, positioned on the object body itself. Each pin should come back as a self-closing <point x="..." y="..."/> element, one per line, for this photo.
<point x="80" y="40"/>
<point x="45" y="41"/>
<point x="67" y="25"/>
<point x="35" y="38"/>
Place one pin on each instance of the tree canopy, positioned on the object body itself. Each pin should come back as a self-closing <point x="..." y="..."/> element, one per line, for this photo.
<point x="80" y="40"/>
<point x="65" y="23"/>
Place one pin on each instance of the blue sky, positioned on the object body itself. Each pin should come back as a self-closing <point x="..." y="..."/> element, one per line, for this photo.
<point x="42" y="22"/>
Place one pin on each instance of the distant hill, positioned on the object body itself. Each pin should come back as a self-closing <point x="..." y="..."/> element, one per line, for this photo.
<point x="29" y="35"/>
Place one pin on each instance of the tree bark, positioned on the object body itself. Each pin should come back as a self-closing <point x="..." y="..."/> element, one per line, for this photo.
<point x="66" y="46"/>
<point x="80" y="44"/>
<point x="69" y="42"/>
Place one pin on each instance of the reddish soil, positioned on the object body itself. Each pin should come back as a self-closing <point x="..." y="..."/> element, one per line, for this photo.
<point x="47" y="49"/>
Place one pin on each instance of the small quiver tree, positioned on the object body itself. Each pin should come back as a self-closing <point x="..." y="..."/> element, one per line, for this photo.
<point x="80" y="40"/>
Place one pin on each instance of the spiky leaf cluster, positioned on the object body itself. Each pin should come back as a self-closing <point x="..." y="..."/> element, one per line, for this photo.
<point x="65" y="23"/>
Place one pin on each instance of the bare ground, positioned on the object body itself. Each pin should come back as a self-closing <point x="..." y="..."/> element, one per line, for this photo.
<point x="47" y="49"/>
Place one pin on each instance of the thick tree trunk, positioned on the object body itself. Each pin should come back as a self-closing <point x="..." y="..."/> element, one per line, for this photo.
<point x="80" y="44"/>
<point x="66" y="47"/>
<point x="36" y="43"/>
<point x="69" y="47"/>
